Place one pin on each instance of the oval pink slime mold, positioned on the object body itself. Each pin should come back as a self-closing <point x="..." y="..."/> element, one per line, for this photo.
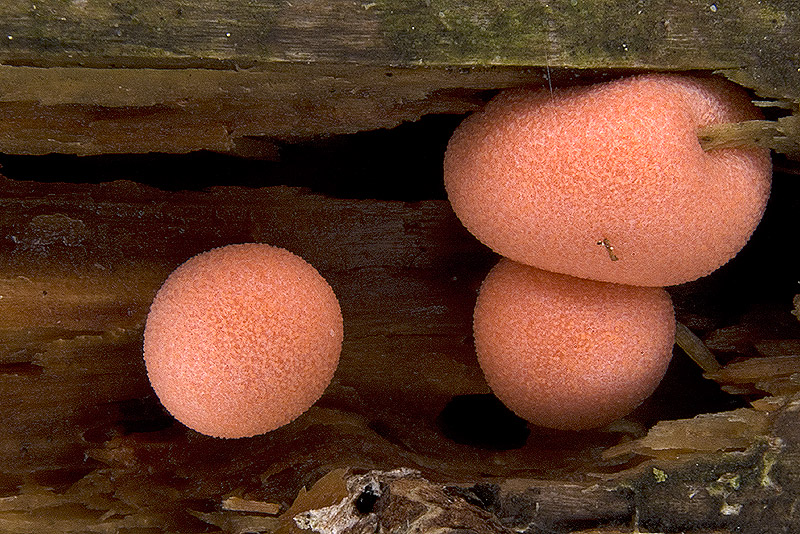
<point x="609" y="182"/>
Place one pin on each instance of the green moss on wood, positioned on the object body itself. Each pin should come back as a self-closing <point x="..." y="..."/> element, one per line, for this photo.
<point x="753" y="43"/>
<point x="759" y="38"/>
<point x="88" y="30"/>
<point x="452" y="31"/>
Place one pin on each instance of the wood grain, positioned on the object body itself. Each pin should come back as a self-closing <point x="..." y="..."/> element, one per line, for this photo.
<point x="85" y="445"/>
<point x="90" y="77"/>
<point x="655" y="34"/>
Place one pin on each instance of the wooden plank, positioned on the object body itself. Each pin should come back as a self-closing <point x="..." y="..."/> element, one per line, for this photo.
<point x="88" y="111"/>
<point x="656" y="34"/>
<point x="185" y="75"/>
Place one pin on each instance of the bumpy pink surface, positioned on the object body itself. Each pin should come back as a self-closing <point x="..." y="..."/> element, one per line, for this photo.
<point x="242" y="339"/>
<point x="570" y="353"/>
<point x="542" y="179"/>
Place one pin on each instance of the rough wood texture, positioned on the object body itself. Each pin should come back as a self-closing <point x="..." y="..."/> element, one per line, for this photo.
<point x="718" y="493"/>
<point x="184" y="75"/>
<point x="85" y="445"/>
<point x="658" y="34"/>
<point x="89" y="111"/>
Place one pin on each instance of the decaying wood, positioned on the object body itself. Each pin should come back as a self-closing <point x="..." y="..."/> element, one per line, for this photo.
<point x="695" y="348"/>
<point x="697" y="493"/>
<point x="90" y="111"/>
<point x="88" y="77"/>
<point x="85" y="445"/>
<point x="782" y="135"/>
<point x="690" y="491"/>
<point x="105" y="111"/>
<point x="79" y="272"/>
<point x="777" y="375"/>
<point x="662" y="34"/>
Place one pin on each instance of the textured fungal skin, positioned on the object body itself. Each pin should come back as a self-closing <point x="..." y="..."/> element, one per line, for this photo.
<point x="568" y="181"/>
<point x="242" y="339"/>
<point x="570" y="353"/>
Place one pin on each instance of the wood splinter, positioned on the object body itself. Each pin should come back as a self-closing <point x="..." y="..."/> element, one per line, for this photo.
<point x="238" y="504"/>
<point x="609" y="248"/>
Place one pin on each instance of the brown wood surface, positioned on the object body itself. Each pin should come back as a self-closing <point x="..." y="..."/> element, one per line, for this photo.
<point x="85" y="445"/>
<point x="658" y="34"/>
<point x="89" y="77"/>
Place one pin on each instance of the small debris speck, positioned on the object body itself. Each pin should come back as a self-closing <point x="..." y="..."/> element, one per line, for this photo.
<point x="659" y="475"/>
<point x="730" y="509"/>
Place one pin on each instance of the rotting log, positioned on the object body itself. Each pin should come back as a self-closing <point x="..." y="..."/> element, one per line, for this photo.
<point x="89" y="77"/>
<point x="84" y="443"/>
<point x="87" y="447"/>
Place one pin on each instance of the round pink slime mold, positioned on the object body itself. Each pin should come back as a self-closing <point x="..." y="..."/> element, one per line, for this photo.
<point x="569" y="353"/>
<point x="242" y="339"/>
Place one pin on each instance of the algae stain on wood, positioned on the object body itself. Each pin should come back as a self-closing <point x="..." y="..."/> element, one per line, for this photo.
<point x="757" y="41"/>
<point x="582" y="33"/>
<point x="650" y="34"/>
<point x="450" y="31"/>
<point x="143" y="29"/>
